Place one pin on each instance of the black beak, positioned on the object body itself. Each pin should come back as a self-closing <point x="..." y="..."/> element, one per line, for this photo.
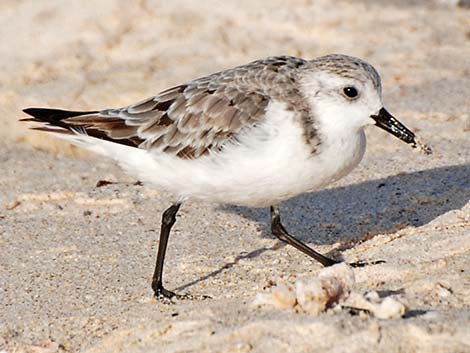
<point x="386" y="121"/>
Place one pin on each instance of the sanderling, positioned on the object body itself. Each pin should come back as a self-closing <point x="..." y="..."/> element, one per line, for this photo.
<point x="254" y="135"/>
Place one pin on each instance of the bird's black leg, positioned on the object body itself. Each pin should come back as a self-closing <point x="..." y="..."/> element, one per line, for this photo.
<point x="281" y="233"/>
<point x="168" y="219"/>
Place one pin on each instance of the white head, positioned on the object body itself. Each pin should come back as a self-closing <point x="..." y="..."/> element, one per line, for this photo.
<point x="346" y="95"/>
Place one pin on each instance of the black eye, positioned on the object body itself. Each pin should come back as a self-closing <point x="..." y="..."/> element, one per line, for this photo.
<point x="350" y="92"/>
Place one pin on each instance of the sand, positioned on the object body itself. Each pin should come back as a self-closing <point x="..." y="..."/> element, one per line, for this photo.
<point x="76" y="259"/>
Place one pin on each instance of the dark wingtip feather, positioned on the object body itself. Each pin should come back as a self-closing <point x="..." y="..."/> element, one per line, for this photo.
<point x="55" y="119"/>
<point x="51" y="118"/>
<point x="52" y="115"/>
<point x="34" y="111"/>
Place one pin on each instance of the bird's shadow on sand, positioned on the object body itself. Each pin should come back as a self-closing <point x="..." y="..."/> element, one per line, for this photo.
<point x="354" y="213"/>
<point x="360" y="211"/>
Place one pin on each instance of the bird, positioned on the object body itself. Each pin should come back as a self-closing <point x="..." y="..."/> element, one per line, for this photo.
<point x="253" y="135"/>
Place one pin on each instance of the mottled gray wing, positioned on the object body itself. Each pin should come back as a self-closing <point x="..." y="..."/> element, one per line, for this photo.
<point x="191" y="119"/>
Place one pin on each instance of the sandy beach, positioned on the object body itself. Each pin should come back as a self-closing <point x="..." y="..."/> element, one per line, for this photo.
<point x="77" y="258"/>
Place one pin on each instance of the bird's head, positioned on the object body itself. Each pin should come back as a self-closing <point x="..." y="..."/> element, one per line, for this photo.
<point x="346" y="93"/>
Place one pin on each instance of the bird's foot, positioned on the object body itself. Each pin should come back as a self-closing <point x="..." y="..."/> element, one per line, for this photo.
<point x="365" y="263"/>
<point x="166" y="296"/>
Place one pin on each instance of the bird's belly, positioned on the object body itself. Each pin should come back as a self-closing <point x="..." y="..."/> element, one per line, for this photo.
<point x="270" y="182"/>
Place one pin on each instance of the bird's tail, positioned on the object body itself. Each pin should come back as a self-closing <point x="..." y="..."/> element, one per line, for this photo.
<point x="95" y="124"/>
<point x="53" y="120"/>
